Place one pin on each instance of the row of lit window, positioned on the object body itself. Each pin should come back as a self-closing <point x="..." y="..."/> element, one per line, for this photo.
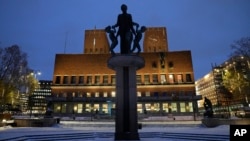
<point x="110" y="79"/>
<point x="168" y="107"/>
<point x="139" y="94"/>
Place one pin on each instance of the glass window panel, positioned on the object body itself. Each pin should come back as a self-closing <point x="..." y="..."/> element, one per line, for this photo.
<point x="171" y="78"/>
<point x="155" y="78"/>
<point x="174" y="107"/>
<point x="79" y="108"/>
<point x="147" y="94"/>
<point x="179" y="78"/>
<point x="138" y="79"/>
<point x="182" y="107"/>
<point x="105" y="94"/>
<point x="65" y="80"/>
<point x="163" y="78"/>
<point x="188" y="78"/>
<point x="64" y="107"/>
<point x="146" y="79"/>
<point x="81" y="79"/>
<point x="112" y="94"/>
<point x="139" y="108"/>
<point x="73" y="80"/>
<point x="105" y="79"/>
<point x="165" y="107"/>
<point x="113" y="80"/>
<point x="89" y="79"/>
<point x="58" y="79"/>
<point x="138" y="94"/>
<point x="97" y="79"/>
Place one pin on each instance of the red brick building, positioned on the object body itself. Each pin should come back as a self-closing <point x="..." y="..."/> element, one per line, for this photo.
<point x="83" y="83"/>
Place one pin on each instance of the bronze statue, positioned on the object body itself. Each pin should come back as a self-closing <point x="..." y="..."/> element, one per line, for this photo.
<point x="138" y="38"/>
<point x="113" y="38"/>
<point x="125" y="31"/>
<point x="208" y="108"/>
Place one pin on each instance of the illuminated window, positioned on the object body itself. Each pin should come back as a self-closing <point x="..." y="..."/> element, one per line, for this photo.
<point x="147" y="94"/>
<point x="105" y="94"/>
<point x="104" y="108"/>
<point x="163" y="78"/>
<point x="97" y="94"/>
<point x="174" y="107"/>
<point x="165" y="107"/>
<point x="138" y="94"/>
<point x="179" y="78"/>
<point x="139" y="108"/>
<point x="182" y="107"/>
<point x="148" y="106"/>
<point x="88" y="94"/>
<point x="189" y="107"/>
<point x="112" y="94"/>
<point x="79" y="108"/>
<point x="171" y="78"/>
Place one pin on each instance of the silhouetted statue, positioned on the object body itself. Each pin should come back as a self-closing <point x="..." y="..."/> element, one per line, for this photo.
<point x="208" y="108"/>
<point x="112" y="37"/>
<point x="126" y="30"/>
<point x="49" y="112"/>
<point x="138" y="38"/>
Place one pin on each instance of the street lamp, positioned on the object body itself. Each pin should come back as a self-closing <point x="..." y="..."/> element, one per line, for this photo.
<point x="36" y="73"/>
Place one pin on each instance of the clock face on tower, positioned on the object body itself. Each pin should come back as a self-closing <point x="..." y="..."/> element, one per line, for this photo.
<point x="153" y="40"/>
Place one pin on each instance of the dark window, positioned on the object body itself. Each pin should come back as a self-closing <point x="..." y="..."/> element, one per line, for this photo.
<point x="146" y="79"/>
<point x="58" y="79"/>
<point x="65" y="80"/>
<point x="81" y="79"/>
<point x="155" y="78"/>
<point x="97" y="79"/>
<point x="105" y="79"/>
<point x="73" y="80"/>
<point x="154" y="65"/>
<point x="188" y="78"/>
<point x="138" y="79"/>
<point x="113" y="80"/>
<point x="89" y="79"/>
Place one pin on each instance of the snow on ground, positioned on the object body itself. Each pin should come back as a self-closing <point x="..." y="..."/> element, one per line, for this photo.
<point x="67" y="127"/>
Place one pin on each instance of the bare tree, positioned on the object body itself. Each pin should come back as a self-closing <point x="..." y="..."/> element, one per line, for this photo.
<point x="241" y="47"/>
<point x="13" y="71"/>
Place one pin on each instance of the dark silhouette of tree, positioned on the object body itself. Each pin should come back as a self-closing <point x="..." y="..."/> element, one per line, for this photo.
<point x="241" y="47"/>
<point x="14" y="72"/>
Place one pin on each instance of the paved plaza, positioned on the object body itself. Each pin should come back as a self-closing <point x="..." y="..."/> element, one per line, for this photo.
<point x="104" y="131"/>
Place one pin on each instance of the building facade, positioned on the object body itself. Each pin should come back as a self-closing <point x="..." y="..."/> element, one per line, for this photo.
<point x="38" y="99"/>
<point x="83" y="84"/>
<point x="227" y="86"/>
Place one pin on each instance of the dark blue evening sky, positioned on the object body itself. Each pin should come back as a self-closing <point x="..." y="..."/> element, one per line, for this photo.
<point x="40" y="27"/>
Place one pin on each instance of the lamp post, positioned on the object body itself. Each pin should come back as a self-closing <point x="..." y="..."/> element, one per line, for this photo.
<point x="36" y="73"/>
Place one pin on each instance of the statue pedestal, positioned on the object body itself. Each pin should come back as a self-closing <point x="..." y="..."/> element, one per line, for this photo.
<point x="126" y="125"/>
